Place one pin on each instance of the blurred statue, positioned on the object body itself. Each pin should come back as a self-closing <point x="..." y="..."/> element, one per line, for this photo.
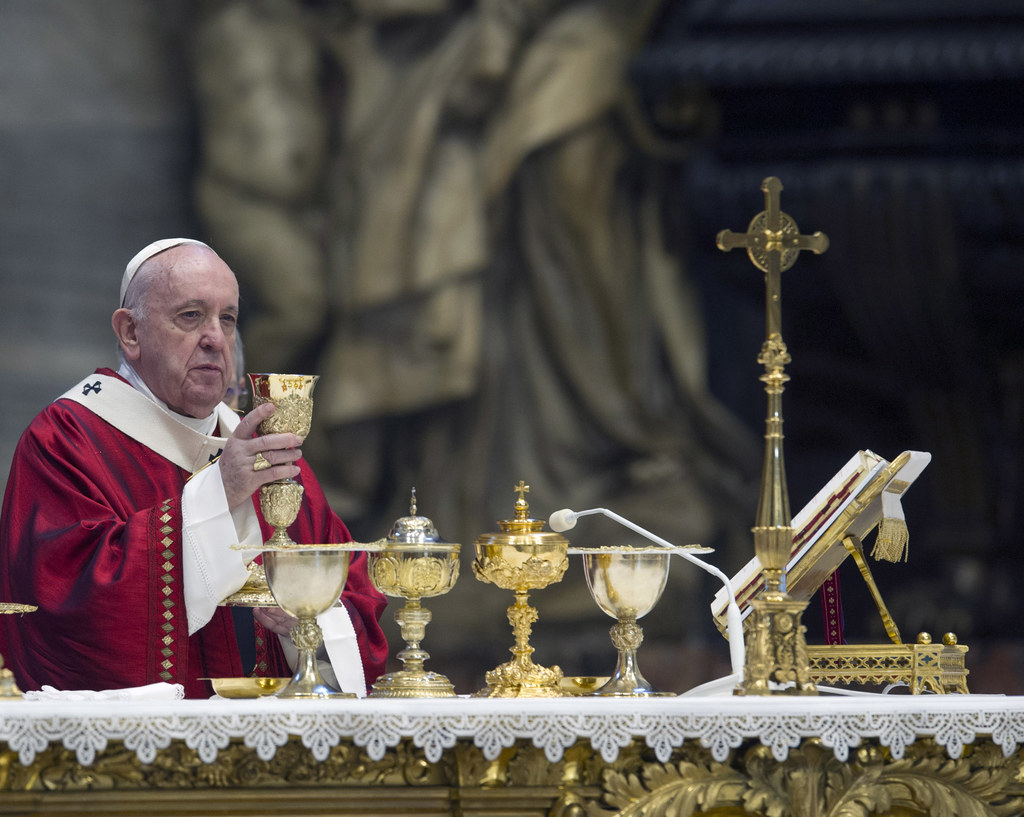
<point x="441" y="208"/>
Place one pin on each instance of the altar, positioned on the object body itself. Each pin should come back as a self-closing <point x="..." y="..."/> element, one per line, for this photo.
<point x="724" y="755"/>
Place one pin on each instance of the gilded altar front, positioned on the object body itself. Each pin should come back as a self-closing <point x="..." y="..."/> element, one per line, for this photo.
<point x="872" y="755"/>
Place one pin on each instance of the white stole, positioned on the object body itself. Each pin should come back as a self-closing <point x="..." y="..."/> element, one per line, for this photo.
<point x="130" y="411"/>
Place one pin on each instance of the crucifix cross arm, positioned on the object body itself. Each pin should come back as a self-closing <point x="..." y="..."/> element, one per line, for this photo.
<point x="772" y="237"/>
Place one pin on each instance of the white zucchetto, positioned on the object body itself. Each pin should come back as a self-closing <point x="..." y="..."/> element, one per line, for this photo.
<point x="148" y="252"/>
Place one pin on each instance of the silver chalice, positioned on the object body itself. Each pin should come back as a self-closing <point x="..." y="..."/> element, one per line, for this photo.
<point x="307" y="580"/>
<point x="626" y="583"/>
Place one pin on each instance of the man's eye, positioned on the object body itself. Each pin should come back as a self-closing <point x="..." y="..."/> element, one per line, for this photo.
<point x="191" y="315"/>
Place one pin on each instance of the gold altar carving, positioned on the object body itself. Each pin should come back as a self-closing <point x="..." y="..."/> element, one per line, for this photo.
<point x="810" y="782"/>
<point x="776" y="647"/>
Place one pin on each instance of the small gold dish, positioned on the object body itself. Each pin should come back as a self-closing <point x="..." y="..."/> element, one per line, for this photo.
<point x="246" y="687"/>
<point x="582" y="684"/>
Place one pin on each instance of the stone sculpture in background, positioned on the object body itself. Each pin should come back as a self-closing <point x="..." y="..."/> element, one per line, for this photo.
<point x="443" y="209"/>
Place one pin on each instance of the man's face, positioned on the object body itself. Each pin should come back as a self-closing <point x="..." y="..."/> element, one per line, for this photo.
<point x="186" y="341"/>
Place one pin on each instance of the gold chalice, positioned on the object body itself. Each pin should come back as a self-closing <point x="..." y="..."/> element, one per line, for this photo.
<point x="8" y="686"/>
<point x="626" y="583"/>
<point x="279" y="500"/>
<point x="306" y="580"/>
<point x="521" y="558"/>
<point x="292" y="395"/>
<point x="413" y="564"/>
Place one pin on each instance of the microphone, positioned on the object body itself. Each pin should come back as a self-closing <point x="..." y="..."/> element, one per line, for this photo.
<point x="565" y="519"/>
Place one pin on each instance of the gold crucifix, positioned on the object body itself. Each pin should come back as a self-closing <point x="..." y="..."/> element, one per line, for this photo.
<point x="776" y="650"/>
<point x="522" y="507"/>
<point x="773" y="242"/>
<point x="522" y="489"/>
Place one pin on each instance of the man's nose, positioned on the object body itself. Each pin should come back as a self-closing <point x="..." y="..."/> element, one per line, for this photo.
<point x="213" y="335"/>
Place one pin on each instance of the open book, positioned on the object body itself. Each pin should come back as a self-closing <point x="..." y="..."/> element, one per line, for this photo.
<point x="864" y="493"/>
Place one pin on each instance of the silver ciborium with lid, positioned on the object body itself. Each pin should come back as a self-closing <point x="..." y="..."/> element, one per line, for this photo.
<point x="413" y="563"/>
<point x="521" y="557"/>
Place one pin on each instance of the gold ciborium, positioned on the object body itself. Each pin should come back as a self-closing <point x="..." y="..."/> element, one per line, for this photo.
<point x="292" y="396"/>
<point x="413" y="563"/>
<point x="307" y="580"/>
<point x="8" y="686"/>
<point x="521" y="558"/>
<point x="626" y="583"/>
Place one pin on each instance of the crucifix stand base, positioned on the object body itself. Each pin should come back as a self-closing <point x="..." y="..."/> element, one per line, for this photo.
<point x="776" y="648"/>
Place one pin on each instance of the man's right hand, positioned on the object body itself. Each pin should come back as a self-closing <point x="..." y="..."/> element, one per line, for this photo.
<point x="236" y="462"/>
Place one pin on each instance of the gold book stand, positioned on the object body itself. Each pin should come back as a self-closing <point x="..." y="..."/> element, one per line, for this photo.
<point x="863" y="495"/>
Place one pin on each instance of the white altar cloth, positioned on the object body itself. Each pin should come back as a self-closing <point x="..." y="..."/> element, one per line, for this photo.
<point x="434" y="725"/>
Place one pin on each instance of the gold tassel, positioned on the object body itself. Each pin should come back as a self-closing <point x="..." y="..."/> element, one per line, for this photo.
<point x="891" y="543"/>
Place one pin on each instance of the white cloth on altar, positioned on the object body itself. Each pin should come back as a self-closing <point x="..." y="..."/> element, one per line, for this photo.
<point x="159" y="691"/>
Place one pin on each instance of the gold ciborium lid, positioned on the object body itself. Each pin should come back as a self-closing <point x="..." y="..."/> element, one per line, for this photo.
<point x="413" y="563"/>
<point x="521" y="557"/>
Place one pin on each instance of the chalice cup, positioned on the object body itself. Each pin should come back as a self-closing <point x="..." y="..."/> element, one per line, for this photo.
<point x="413" y="571"/>
<point x="292" y="396"/>
<point x="626" y="583"/>
<point x="307" y="580"/>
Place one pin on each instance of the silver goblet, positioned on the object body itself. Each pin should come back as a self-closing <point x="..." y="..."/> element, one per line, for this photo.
<point x="626" y="583"/>
<point x="306" y="580"/>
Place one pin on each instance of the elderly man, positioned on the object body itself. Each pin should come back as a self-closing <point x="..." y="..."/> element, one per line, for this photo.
<point x="116" y="524"/>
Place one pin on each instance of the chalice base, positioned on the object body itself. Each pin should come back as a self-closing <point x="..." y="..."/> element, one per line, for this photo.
<point x="413" y="684"/>
<point x="629" y="685"/>
<point x="307" y="681"/>
<point x="627" y="680"/>
<point x="254" y="593"/>
<point x="8" y="686"/>
<point x="519" y="679"/>
<point x="310" y="685"/>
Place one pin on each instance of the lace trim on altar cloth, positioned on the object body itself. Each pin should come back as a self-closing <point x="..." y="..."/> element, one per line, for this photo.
<point x="721" y="725"/>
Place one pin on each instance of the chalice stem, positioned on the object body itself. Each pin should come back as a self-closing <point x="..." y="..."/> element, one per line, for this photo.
<point x="522" y="616"/>
<point x="412" y="620"/>
<point x="307" y="681"/>
<point x="627" y="636"/>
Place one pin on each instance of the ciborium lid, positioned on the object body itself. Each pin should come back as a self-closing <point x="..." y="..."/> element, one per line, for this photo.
<point x="413" y="529"/>
<point x="523" y="530"/>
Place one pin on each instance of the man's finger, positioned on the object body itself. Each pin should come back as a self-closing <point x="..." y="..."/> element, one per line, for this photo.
<point x="250" y="422"/>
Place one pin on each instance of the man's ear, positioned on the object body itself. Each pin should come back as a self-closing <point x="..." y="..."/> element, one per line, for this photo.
<point x="126" y="330"/>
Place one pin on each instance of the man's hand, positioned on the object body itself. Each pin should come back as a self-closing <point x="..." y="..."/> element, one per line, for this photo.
<point x="239" y="455"/>
<point x="275" y="619"/>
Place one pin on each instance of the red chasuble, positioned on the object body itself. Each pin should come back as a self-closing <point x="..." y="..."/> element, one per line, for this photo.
<point x="91" y="533"/>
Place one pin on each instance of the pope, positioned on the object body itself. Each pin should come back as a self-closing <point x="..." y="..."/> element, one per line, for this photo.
<point x="127" y="495"/>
